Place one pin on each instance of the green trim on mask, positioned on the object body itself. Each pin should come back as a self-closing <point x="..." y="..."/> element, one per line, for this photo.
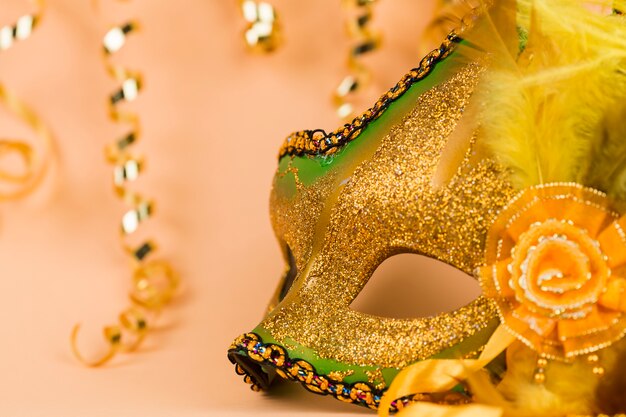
<point x="325" y="366"/>
<point x="311" y="168"/>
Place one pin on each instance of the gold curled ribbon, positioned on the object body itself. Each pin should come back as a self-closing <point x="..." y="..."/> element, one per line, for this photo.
<point x="154" y="281"/>
<point x="34" y="163"/>
<point x="364" y="41"/>
<point x="132" y="324"/>
<point x="263" y="32"/>
<point x="440" y="375"/>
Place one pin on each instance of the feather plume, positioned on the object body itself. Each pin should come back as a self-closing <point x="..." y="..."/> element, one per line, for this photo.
<point x="609" y="156"/>
<point x="494" y="33"/>
<point x="570" y="388"/>
<point x="545" y="115"/>
<point x="553" y="108"/>
<point x="610" y="392"/>
<point x="447" y="15"/>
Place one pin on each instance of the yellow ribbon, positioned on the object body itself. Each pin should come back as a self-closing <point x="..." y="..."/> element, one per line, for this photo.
<point x="435" y="410"/>
<point x="439" y="375"/>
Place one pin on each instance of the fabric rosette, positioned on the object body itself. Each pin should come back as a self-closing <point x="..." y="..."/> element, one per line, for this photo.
<point x="553" y="262"/>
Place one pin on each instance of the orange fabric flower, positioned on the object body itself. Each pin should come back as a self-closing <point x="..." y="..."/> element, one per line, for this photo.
<point x="553" y="257"/>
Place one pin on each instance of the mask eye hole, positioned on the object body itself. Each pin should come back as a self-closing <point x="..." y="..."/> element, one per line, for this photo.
<point x="290" y="275"/>
<point x="413" y="286"/>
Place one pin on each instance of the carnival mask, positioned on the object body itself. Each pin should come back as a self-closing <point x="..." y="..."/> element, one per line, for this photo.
<point x="426" y="171"/>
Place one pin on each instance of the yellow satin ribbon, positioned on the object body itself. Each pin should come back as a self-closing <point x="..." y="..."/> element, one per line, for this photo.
<point x="435" y="410"/>
<point x="440" y="375"/>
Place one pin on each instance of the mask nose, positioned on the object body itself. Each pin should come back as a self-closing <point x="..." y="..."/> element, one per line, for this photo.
<point x="259" y="376"/>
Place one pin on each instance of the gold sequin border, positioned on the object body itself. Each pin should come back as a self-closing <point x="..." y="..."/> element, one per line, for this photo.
<point x="298" y="370"/>
<point x="318" y="142"/>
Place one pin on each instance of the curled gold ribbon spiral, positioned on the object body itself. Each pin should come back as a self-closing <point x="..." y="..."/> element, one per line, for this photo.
<point x="263" y="32"/>
<point x="154" y="281"/>
<point x="33" y="162"/>
<point x="364" y="40"/>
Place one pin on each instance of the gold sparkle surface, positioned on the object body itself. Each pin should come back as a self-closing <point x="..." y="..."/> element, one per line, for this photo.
<point x="342" y="230"/>
<point x="340" y="375"/>
<point x="376" y="378"/>
<point x="293" y="217"/>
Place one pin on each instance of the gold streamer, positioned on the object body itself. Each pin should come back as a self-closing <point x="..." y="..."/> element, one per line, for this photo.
<point x="365" y="40"/>
<point x="154" y="281"/>
<point x="34" y="163"/>
<point x="263" y="32"/>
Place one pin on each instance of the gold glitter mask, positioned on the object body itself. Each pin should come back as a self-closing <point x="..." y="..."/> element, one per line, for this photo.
<point x="400" y="178"/>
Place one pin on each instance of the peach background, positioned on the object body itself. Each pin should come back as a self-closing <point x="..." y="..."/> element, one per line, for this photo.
<point x="213" y="119"/>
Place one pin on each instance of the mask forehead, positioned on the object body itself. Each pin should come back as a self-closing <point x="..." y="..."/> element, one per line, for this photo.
<point x="377" y="204"/>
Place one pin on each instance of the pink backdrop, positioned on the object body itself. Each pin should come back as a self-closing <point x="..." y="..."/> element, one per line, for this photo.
<point x="213" y="119"/>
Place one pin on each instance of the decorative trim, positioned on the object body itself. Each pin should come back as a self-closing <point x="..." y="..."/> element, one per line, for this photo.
<point x="319" y="143"/>
<point x="299" y="370"/>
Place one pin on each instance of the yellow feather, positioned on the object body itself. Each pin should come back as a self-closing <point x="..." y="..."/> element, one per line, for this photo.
<point x="558" y="113"/>
<point x="609" y="156"/>
<point x="544" y="118"/>
<point x="569" y="388"/>
<point x="610" y="396"/>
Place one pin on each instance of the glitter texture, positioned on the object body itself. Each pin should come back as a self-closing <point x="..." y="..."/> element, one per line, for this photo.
<point x="376" y="378"/>
<point x="339" y="234"/>
<point x="294" y="217"/>
<point x="340" y="375"/>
